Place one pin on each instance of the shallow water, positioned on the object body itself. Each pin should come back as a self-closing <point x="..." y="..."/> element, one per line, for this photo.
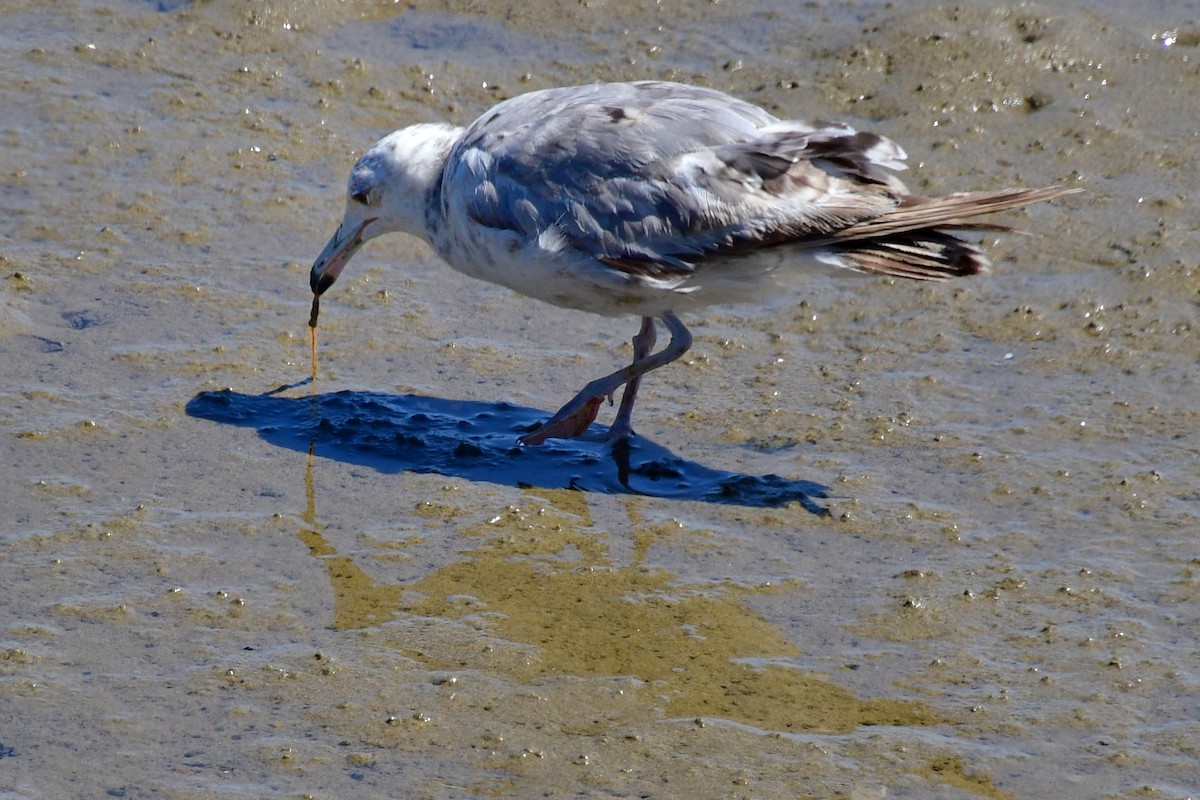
<point x="1002" y="602"/>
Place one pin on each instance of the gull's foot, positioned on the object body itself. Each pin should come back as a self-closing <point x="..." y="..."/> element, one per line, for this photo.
<point x="566" y="425"/>
<point x="619" y="432"/>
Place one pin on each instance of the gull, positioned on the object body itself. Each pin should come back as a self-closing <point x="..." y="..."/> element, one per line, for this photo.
<point x="653" y="199"/>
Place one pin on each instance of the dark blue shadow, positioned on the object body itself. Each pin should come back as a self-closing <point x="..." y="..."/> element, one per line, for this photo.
<point x="477" y="441"/>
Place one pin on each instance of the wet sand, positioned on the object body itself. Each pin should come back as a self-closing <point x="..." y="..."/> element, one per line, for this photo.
<point x="1002" y="602"/>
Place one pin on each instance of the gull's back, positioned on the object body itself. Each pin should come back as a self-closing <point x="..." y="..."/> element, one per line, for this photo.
<point x="650" y="197"/>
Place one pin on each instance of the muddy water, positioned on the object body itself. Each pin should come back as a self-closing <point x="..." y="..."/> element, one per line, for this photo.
<point x="1001" y="603"/>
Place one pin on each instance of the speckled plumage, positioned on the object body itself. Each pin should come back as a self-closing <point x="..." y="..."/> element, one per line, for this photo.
<point x="653" y="199"/>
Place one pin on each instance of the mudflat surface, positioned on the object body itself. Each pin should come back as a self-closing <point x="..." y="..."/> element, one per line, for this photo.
<point x="207" y="593"/>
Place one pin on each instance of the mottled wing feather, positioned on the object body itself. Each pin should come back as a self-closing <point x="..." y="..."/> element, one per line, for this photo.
<point x="657" y="179"/>
<point x="653" y="178"/>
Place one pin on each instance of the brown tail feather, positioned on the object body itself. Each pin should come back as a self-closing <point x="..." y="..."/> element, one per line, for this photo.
<point x="911" y="241"/>
<point x="951" y="211"/>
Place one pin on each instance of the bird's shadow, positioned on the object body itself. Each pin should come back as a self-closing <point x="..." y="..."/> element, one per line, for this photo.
<point x="478" y="441"/>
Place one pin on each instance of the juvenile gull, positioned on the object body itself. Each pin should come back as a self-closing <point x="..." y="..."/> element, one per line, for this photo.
<point x="652" y="199"/>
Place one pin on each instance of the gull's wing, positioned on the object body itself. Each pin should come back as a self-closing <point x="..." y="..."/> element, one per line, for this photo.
<point x="653" y="178"/>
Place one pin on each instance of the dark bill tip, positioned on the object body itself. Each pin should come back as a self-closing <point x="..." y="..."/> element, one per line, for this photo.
<point x="320" y="283"/>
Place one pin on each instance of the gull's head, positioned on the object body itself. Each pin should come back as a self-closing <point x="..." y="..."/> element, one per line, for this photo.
<point x="388" y="191"/>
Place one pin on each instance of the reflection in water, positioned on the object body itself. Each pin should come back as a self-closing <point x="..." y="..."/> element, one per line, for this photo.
<point x="543" y="581"/>
<point x="477" y="441"/>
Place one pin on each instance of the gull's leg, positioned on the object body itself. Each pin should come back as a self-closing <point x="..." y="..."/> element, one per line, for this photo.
<point x="575" y="417"/>
<point x="643" y="343"/>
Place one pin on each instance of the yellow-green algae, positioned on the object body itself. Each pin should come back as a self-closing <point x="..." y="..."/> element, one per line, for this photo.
<point x="951" y="771"/>
<point x="542" y="580"/>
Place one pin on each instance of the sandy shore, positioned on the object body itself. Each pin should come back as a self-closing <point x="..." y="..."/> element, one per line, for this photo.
<point x="1002" y="602"/>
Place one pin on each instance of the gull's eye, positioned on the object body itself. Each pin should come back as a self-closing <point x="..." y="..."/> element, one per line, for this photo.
<point x="363" y="188"/>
